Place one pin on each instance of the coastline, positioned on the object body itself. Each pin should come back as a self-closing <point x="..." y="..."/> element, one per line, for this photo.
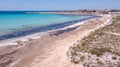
<point x="37" y="35"/>
<point x="49" y="51"/>
<point x="64" y="13"/>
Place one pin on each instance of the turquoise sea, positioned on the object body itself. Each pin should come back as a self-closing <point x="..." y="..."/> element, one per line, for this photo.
<point x="13" y="24"/>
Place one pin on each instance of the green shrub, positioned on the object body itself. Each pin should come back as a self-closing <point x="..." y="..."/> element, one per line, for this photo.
<point x="74" y="53"/>
<point x="100" y="62"/>
<point x="117" y="18"/>
<point x="82" y="58"/>
<point x="99" y="51"/>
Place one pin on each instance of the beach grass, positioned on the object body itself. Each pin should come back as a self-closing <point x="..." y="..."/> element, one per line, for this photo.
<point x="100" y="43"/>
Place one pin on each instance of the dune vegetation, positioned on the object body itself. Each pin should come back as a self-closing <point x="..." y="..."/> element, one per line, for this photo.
<point x="100" y="48"/>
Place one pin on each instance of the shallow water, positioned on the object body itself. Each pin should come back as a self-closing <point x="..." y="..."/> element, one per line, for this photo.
<point x="11" y="22"/>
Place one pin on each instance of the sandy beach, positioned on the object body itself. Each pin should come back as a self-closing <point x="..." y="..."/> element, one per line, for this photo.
<point x="50" y="49"/>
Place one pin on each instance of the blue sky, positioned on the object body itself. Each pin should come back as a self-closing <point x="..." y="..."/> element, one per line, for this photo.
<point x="58" y="4"/>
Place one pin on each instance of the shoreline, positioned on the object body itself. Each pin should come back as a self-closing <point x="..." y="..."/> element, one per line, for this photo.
<point x="49" y="51"/>
<point x="63" y="12"/>
<point x="45" y="28"/>
<point x="37" y="35"/>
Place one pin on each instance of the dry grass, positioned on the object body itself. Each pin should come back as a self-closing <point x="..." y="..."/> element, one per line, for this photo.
<point x="99" y="51"/>
<point x="99" y="43"/>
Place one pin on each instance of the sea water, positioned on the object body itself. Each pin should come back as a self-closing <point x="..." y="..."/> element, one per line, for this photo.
<point x="11" y="22"/>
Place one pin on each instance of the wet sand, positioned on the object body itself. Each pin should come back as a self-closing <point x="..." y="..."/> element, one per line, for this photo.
<point x="49" y="50"/>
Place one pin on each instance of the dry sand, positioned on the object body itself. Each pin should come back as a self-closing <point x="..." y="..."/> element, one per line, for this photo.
<point x="48" y="51"/>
